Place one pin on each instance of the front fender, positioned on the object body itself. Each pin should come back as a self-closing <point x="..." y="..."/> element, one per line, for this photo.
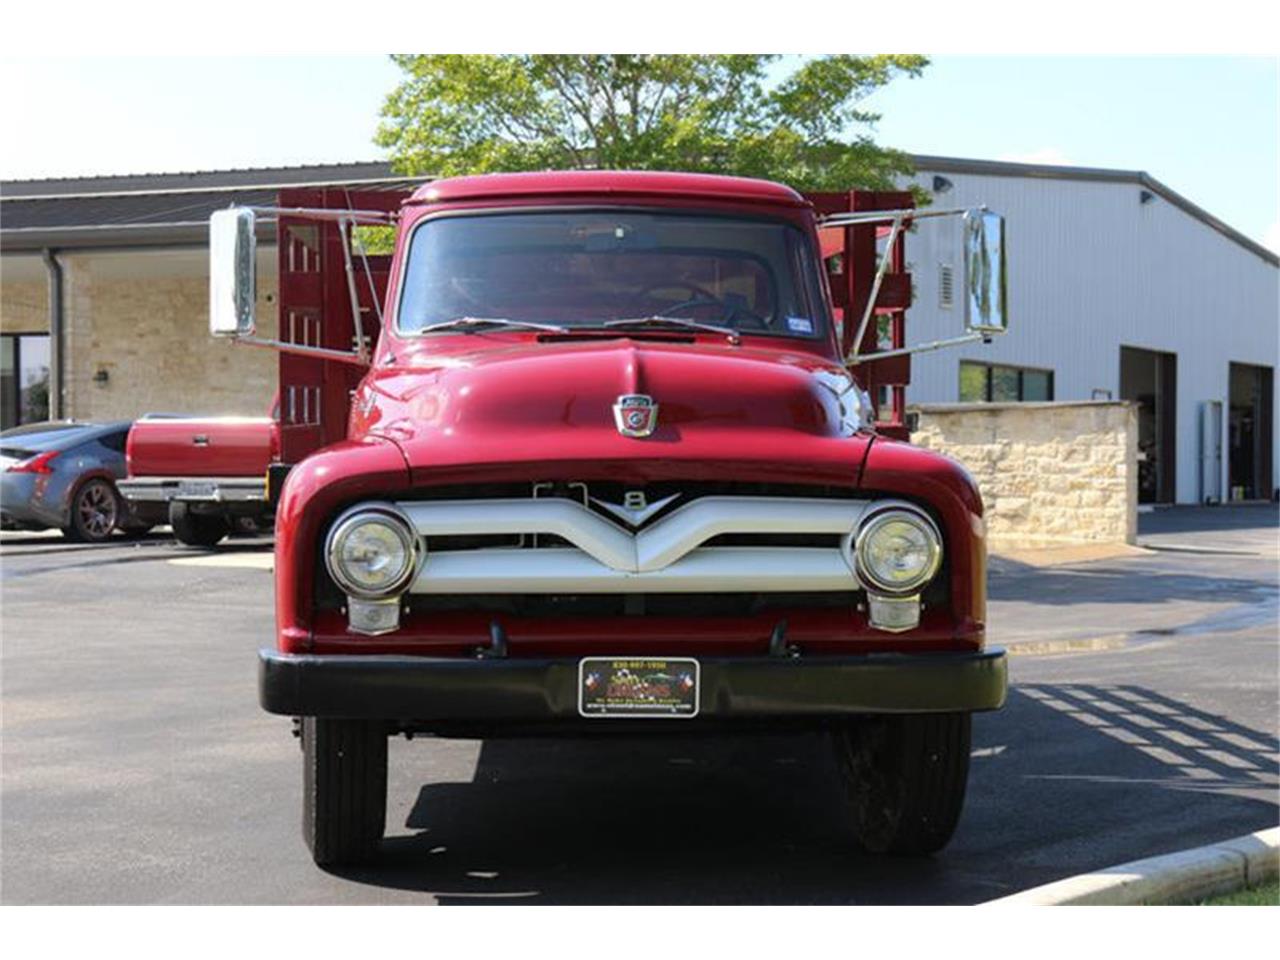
<point x="319" y="486"/>
<point x="937" y="481"/>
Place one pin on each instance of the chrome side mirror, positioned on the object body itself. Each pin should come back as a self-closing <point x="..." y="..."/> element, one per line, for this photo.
<point x="233" y="282"/>
<point x="986" y="296"/>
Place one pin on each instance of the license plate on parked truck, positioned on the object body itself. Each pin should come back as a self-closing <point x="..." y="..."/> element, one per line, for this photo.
<point x="638" y="687"/>
<point x="198" y="490"/>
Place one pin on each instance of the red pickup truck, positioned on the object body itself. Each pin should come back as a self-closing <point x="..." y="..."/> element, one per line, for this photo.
<point x="202" y="475"/>
<point x="611" y="464"/>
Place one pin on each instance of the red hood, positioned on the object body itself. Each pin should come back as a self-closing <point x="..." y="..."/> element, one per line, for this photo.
<point x="496" y="408"/>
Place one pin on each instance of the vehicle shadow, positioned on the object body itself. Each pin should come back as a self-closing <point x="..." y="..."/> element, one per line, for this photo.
<point x="1099" y="582"/>
<point x="1065" y="779"/>
<point x="21" y="546"/>
<point x="245" y="544"/>
<point x="1187" y="519"/>
<point x="53" y="556"/>
<point x="18" y="545"/>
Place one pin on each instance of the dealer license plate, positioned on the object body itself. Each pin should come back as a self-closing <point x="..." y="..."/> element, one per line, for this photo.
<point x="638" y="687"/>
<point x="198" y="490"/>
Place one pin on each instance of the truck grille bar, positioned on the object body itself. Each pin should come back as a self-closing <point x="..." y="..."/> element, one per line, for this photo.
<point x="670" y="555"/>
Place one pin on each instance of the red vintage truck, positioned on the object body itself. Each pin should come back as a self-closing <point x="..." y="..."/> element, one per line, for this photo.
<point x="609" y="453"/>
<point x="202" y="475"/>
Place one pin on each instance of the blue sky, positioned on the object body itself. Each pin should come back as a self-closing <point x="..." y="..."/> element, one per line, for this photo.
<point x="1209" y="127"/>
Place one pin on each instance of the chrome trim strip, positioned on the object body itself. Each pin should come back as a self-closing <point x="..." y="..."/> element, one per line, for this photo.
<point x="565" y="570"/>
<point x="595" y="536"/>
<point x="692" y="525"/>
<point x="667" y="556"/>
<point x="653" y="548"/>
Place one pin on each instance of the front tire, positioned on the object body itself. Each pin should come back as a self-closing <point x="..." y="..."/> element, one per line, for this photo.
<point x="344" y="789"/>
<point x="197" y="529"/>
<point x="906" y="777"/>
<point x="96" y="508"/>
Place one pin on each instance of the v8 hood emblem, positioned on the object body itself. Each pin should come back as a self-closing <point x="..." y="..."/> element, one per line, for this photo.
<point x="635" y="414"/>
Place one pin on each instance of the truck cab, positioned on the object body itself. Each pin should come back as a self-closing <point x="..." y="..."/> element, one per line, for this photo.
<point x="612" y="468"/>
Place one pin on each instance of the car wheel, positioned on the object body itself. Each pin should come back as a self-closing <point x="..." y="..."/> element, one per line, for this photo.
<point x="906" y="777"/>
<point x="197" y="529"/>
<point x="344" y="789"/>
<point x="95" y="510"/>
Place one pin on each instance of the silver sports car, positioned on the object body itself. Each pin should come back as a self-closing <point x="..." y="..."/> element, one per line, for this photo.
<point x="62" y="474"/>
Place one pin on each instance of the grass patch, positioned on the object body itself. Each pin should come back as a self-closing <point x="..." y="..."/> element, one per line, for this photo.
<point x="1267" y="895"/>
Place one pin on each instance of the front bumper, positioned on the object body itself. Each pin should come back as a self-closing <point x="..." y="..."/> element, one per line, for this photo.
<point x="435" y="690"/>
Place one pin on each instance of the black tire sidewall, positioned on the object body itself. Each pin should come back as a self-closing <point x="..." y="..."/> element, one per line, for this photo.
<point x="196" y="529"/>
<point x="906" y="776"/>
<point x="344" y="789"/>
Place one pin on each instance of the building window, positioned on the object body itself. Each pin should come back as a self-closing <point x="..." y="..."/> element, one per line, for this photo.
<point x="24" y="378"/>
<point x="995" y="383"/>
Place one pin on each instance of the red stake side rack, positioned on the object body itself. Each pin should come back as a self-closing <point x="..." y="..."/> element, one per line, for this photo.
<point x="850" y="253"/>
<point x="315" y="305"/>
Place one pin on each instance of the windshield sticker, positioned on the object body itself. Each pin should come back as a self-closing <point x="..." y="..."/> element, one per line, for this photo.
<point x="799" y="324"/>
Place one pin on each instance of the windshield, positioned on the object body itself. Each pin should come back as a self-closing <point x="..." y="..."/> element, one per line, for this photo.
<point x="585" y="268"/>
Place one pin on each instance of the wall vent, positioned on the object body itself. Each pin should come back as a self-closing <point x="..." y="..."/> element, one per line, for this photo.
<point x="946" y="286"/>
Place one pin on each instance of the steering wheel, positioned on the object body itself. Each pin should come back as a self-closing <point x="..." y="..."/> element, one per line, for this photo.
<point x="700" y="294"/>
<point x="732" y="313"/>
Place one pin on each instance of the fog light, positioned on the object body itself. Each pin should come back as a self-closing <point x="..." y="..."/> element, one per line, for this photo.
<point x="372" y="554"/>
<point x="373" y="616"/>
<point x="894" y="614"/>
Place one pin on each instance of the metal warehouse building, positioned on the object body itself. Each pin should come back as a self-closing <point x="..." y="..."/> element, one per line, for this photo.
<point x="1118" y="288"/>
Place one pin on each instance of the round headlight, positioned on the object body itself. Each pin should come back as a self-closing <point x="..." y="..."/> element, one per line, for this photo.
<point x="898" y="551"/>
<point x="371" y="554"/>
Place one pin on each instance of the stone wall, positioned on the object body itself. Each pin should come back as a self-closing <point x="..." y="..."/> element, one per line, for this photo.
<point x="24" y="305"/>
<point x="1050" y="473"/>
<point x="141" y="343"/>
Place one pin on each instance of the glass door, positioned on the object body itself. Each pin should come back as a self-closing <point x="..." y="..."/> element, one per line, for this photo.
<point x="8" y="382"/>
<point x="24" y="379"/>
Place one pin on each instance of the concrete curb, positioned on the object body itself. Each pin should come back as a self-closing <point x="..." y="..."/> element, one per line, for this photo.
<point x="1184" y="877"/>
<point x="1040" y="648"/>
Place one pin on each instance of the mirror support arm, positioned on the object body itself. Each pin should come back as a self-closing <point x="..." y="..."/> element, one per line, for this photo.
<point x="853" y="361"/>
<point x="324" y="353"/>
<point x="377" y="217"/>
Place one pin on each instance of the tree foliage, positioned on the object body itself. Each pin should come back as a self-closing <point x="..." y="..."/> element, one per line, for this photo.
<point x="458" y="114"/>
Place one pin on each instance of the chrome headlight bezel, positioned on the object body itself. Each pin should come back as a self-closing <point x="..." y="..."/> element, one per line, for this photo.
<point x="390" y="518"/>
<point x="876" y="521"/>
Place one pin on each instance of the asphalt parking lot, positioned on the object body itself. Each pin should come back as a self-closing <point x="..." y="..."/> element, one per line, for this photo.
<point x="137" y="767"/>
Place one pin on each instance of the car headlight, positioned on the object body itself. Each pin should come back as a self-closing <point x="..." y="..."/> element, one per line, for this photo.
<point x="897" y="551"/>
<point x="372" y="553"/>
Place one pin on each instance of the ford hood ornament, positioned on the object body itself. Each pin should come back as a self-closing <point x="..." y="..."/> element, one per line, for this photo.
<point x="635" y="414"/>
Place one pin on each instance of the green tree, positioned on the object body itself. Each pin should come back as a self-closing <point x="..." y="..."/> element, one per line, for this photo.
<point x="462" y="114"/>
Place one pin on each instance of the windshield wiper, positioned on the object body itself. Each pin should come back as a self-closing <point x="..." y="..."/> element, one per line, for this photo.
<point x="471" y="323"/>
<point x="660" y="319"/>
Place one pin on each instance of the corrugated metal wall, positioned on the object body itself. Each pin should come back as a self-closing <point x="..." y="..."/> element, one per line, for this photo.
<point x="1092" y="268"/>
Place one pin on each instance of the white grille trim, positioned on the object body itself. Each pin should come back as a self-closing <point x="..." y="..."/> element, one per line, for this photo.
<point x="667" y="556"/>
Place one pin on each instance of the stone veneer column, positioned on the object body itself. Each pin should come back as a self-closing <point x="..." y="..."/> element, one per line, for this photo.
<point x="1049" y="472"/>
